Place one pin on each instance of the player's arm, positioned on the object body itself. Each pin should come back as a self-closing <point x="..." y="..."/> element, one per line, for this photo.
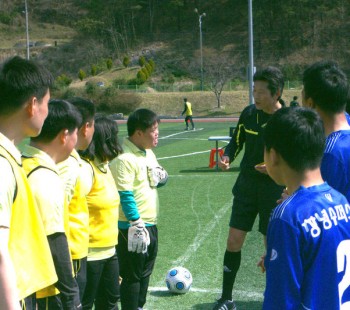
<point x="66" y="283"/>
<point x="234" y="146"/>
<point x="284" y="271"/>
<point x="334" y="172"/>
<point x="185" y="108"/>
<point x="8" y="288"/>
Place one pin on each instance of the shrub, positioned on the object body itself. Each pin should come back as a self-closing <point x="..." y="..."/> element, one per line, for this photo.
<point x="149" y="68"/>
<point x="81" y="74"/>
<point x="93" y="70"/>
<point x="120" y="81"/>
<point x="141" y="77"/>
<point x="91" y="88"/>
<point x="126" y="61"/>
<point x="109" y="63"/>
<point x="152" y="63"/>
<point x="142" y="61"/>
<point x="63" y="80"/>
<point x="114" y="101"/>
<point x="145" y="72"/>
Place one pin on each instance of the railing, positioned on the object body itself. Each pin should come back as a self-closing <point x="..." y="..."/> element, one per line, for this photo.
<point x="166" y="87"/>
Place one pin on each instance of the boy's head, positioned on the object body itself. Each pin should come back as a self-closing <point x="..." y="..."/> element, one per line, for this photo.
<point x="295" y="97"/>
<point x="296" y="137"/>
<point x="86" y="129"/>
<point x="25" y="84"/>
<point x="325" y="86"/>
<point x="105" y="143"/>
<point x="62" y="123"/>
<point x="142" y="127"/>
<point x="268" y="86"/>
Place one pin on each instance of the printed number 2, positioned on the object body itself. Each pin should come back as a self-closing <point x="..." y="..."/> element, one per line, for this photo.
<point x="343" y="257"/>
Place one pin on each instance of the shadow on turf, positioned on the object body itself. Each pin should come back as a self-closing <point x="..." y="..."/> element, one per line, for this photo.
<point x="241" y="305"/>
<point x="206" y="169"/>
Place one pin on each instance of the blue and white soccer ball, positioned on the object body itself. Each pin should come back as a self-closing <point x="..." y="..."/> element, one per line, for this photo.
<point x="178" y="280"/>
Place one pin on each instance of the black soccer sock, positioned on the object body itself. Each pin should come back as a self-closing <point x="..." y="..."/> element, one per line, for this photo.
<point x="232" y="262"/>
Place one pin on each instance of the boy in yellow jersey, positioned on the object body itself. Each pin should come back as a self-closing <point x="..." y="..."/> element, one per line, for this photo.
<point x="70" y="171"/>
<point x="54" y="144"/>
<point x="24" y="95"/>
<point x="102" y="287"/>
<point x="137" y="174"/>
<point x="188" y="111"/>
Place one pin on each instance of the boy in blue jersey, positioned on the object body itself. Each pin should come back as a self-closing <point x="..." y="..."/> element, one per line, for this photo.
<point x="326" y="90"/>
<point x="308" y="238"/>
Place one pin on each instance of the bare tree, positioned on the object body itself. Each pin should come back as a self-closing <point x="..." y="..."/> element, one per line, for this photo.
<point x="218" y="71"/>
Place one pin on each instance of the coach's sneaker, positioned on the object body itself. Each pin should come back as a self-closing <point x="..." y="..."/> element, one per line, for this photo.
<point x="224" y="304"/>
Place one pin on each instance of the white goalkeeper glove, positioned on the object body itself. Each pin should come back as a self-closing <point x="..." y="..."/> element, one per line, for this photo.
<point x="138" y="237"/>
<point x="157" y="176"/>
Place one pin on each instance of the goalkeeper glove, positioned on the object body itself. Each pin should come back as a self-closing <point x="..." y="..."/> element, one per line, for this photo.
<point x="138" y="237"/>
<point x="157" y="176"/>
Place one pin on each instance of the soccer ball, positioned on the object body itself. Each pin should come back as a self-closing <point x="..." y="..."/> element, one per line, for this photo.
<point x="178" y="280"/>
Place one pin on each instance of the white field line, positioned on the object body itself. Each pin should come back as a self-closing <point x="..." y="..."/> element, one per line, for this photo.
<point x="181" y="133"/>
<point x="200" y="238"/>
<point x="240" y="293"/>
<point x="183" y="155"/>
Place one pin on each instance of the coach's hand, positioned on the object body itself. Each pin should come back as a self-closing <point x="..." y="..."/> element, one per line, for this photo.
<point x="138" y="237"/>
<point x="224" y="163"/>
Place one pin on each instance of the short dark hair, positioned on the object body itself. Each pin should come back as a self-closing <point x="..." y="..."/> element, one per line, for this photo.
<point x="295" y="97"/>
<point x="21" y="79"/>
<point x="296" y="134"/>
<point x="105" y="143"/>
<point x="86" y="108"/>
<point x="141" y="119"/>
<point x="327" y="85"/>
<point x="274" y="78"/>
<point x="62" y="115"/>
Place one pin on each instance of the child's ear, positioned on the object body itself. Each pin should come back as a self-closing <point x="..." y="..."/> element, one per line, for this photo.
<point x="31" y="106"/>
<point x="309" y="103"/>
<point x="63" y="135"/>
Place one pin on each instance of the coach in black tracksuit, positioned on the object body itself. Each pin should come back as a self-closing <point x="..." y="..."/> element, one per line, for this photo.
<point x="255" y="193"/>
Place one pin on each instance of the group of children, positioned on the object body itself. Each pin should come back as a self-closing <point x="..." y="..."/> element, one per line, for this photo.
<point x="59" y="202"/>
<point x="307" y="151"/>
<point x="60" y="198"/>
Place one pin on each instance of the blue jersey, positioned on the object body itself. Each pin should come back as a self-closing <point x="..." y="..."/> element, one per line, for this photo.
<point x="308" y="251"/>
<point x="335" y="166"/>
<point x="347" y="117"/>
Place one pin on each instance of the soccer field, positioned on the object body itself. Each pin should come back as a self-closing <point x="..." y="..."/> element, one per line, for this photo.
<point x="195" y="208"/>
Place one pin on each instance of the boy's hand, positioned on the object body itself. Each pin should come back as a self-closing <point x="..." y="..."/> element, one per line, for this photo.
<point x="224" y="163"/>
<point x="284" y="196"/>
<point x="261" y="263"/>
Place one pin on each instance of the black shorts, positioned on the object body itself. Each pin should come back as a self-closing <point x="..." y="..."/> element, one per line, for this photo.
<point x="136" y="266"/>
<point x="253" y="195"/>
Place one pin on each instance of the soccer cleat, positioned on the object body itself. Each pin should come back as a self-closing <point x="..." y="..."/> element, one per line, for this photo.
<point x="193" y="128"/>
<point x="224" y="304"/>
<point x="186" y="129"/>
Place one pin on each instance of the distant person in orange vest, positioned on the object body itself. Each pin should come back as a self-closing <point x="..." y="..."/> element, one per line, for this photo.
<point x="294" y="102"/>
<point x="188" y="111"/>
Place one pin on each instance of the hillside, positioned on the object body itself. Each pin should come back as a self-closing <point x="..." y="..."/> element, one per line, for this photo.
<point x="288" y="33"/>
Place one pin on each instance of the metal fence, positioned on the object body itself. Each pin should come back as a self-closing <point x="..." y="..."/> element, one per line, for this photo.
<point x="189" y="87"/>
